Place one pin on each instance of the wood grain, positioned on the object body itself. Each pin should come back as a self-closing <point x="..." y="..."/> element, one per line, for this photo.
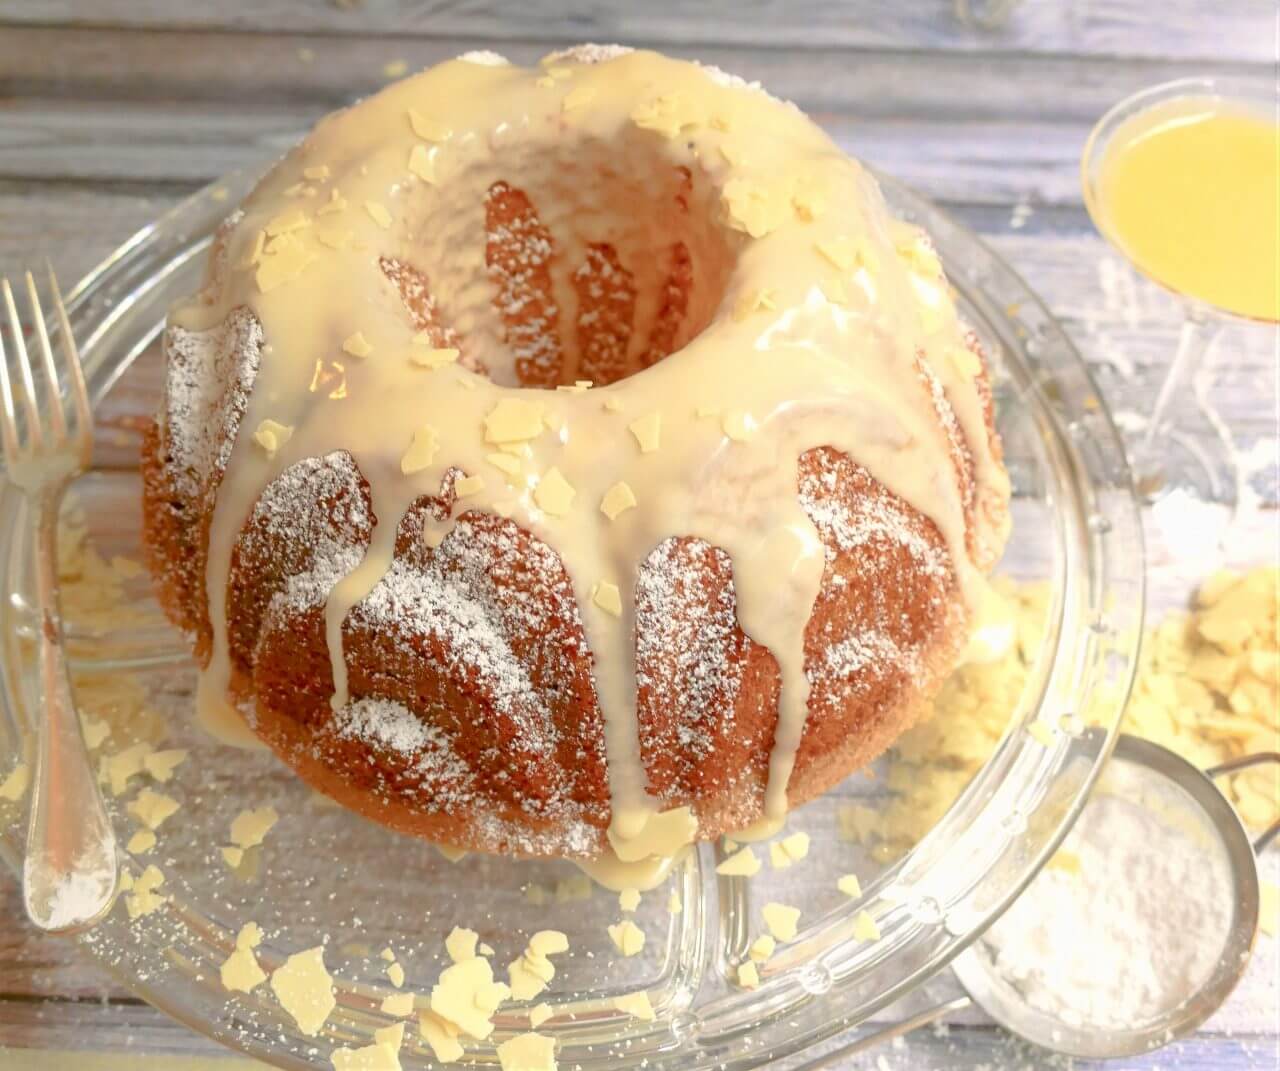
<point x="260" y="68"/>
<point x="993" y="162"/>
<point x="1242" y="29"/>
<point x="112" y="110"/>
<point x="981" y="161"/>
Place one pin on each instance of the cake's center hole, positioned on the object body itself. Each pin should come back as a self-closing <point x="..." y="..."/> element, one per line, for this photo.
<point x="602" y="258"/>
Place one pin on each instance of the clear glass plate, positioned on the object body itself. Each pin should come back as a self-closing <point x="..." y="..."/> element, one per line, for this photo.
<point x="324" y="875"/>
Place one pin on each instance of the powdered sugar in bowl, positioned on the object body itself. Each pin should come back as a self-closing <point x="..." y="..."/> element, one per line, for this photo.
<point x="1138" y="928"/>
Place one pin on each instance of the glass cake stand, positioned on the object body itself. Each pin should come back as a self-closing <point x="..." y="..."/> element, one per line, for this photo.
<point x="326" y="876"/>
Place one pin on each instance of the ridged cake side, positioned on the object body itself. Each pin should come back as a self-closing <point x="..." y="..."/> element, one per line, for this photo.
<point x="477" y="722"/>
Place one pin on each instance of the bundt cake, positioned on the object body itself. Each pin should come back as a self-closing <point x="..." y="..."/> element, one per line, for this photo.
<point x="575" y="461"/>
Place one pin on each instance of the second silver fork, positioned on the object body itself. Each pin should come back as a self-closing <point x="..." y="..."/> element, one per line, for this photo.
<point x="71" y="870"/>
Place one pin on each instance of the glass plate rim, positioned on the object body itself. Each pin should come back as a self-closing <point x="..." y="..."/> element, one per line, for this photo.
<point x="1124" y="520"/>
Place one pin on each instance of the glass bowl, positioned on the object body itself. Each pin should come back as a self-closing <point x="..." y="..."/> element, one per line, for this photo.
<point x="325" y="876"/>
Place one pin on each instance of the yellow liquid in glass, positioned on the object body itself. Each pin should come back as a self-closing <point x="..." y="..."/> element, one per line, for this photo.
<point x="1190" y="191"/>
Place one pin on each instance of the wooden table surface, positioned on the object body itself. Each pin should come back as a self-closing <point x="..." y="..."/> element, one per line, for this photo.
<point x="113" y="110"/>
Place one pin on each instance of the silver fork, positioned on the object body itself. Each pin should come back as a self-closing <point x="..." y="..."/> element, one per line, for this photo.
<point x="70" y="874"/>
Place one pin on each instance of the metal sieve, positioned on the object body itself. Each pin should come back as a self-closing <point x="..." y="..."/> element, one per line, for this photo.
<point x="999" y="998"/>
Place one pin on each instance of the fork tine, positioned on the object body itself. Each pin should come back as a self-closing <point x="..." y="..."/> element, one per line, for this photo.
<point x="56" y="415"/>
<point x="8" y="419"/>
<point x="79" y="391"/>
<point x="28" y="391"/>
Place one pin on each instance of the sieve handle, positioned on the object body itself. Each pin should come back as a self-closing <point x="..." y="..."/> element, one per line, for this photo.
<point x="1243" y="763"/>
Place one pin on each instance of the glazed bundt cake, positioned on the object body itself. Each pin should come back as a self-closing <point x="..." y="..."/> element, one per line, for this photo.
<point x="572" y="461"/>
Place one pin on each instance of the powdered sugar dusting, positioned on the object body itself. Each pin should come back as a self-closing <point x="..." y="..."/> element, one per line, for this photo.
<point x="491" y="610"/>
<point x="594" y="53"/>
<point x="518" y="253"/>
<point x="571" y="837"/>
<point x="308" y="528"/>
<point x="77" y="896"/>
<point x="869" y="648"/>
<point x="870" y="530"/>
<point x="385" y="724"/>
<point x="958" y="448"/>
<point x="485" y="58"/>
<point x="587" y="53"/>
<point x="874" y="520"/>
<point x="416" y="293"/>
<point x="686" y="643"/>
<point x="469" y="635"/>
<point x="388" y="726"/>
<point x="210" y="374"/>
<point x="732" y="81"/>
<point x="606" y="302"/>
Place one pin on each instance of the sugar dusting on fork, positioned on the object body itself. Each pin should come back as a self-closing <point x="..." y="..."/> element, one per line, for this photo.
<point x="74" y="898"/>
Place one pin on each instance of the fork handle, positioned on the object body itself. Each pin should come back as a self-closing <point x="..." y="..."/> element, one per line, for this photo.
<point x="71" y="869"/>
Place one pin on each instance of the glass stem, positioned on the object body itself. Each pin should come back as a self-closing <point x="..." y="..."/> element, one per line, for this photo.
<point x="1198" y="333"/>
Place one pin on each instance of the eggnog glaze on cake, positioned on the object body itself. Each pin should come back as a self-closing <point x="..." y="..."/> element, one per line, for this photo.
<point x="814" y="320"/>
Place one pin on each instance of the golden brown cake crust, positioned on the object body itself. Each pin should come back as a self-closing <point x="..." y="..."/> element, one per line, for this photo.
<point x="473" y="716"/>
<point x="531" y="779"/>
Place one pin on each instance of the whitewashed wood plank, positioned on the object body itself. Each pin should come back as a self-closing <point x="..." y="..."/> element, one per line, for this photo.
<point x="128" y="1060"/>
<point x="74" y="226"/>
<point x="152" y="65"/>
<point x="1123" y="325"/>
<point x="163" y="141"/>
<point x="105" y="1025"/>
<point x="1053" y="250"/>
<point x="1063" y="262"/>
<point x="992" y="162"/>
<point x="34" y="965"/>
<point x="84" y="1031"/>
<point x="74" y="1028"/>
<point x="1182" y="28"/>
